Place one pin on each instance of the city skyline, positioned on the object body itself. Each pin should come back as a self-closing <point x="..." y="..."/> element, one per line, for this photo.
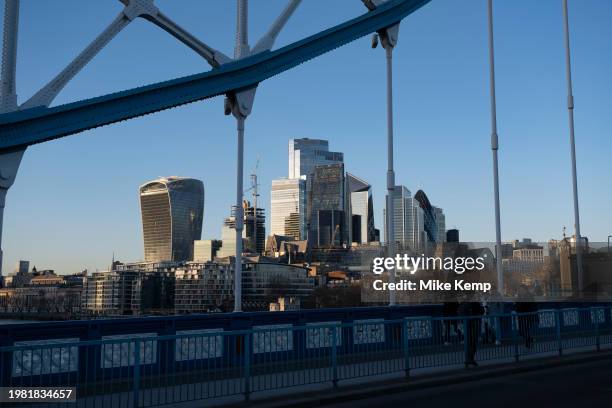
<point x="534" y="131"/>
<point x="170" y="252"/>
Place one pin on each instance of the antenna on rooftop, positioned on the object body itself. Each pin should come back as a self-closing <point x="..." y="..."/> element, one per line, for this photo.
<point x="255" y="187"/>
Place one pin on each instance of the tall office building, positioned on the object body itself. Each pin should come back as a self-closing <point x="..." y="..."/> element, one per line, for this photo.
<point x="433" y="218"/>
<point x="254" y="227"/>
<point x="361" y="210"/>
<point x="409" y="220"/>
<point x="251" y="229"/>
<point x="288" y="208"/>
<point x="441" y="224"/>
<point x="452" y="235"/>
<point x="172" y="210"/>
<point x="327" y="206"/>
<point x="295" y="226"/>
<point x="331" y="229"/>
<point x="228" y="237"/>
<point x="306" y="154"/>
<point x="22" y="266"/>
<point x="429" y="216"/>
<point x="402" y="214"/>
<point x="420" y="236"/>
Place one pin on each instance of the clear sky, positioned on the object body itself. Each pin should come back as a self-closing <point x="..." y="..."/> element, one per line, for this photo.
<point x="75" y="201"/>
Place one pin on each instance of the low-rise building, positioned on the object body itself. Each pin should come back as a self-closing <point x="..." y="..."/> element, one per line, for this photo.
<point x="202" y="287"/>
<point x="45" y="295"/>
<point x="205" y="250"/>
<point x="112" y="293"/>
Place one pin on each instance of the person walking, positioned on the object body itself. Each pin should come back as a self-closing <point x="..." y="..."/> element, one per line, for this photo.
<point x="449" y="312"/>
<point x="472" y="314"/>
<point x="495" y="308"/>
<point x="528" y="318"/>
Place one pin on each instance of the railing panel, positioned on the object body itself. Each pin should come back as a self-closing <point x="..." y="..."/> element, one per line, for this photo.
<point x="149" y="370"/>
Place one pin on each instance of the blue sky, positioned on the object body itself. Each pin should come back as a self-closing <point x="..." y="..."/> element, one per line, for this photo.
<point x="75" y="201"/>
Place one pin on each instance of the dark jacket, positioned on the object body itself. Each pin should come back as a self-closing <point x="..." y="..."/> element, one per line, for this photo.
<point x="526" y="307"/>
<point x="470" y="309"/>
<point x="450" y="308"/>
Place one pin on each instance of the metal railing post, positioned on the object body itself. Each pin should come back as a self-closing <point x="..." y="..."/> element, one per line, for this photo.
<point x="466" y="339"/>
<point x="334" y="357"/>
<point x="6" y="362"/>
<point x="247" y="367"/>
<point x="136" y="382"/>
<point x="514" y="323"/>
<point x="595" y="314"/>
<point x="558" y="330"/>
<point x="406" y="348"/>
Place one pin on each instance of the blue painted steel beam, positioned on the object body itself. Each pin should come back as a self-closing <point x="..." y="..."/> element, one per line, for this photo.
<point x="36" y="125"/>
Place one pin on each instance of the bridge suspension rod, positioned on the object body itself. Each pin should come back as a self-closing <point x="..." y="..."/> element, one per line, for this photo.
<point x="494" y="149"/>
<point x="570" y="113"/>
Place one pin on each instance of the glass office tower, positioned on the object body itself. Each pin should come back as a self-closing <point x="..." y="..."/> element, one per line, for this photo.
<point x="408" y="220"/>
<point x="441" y="224"/>
<point x="172" y="210"/>
<point x="327" y="206"/>
<point x="362" y="210"/>
<point x="288" y="208"/>
<point x="417" y="222"/>
<point x="305" y="154"/>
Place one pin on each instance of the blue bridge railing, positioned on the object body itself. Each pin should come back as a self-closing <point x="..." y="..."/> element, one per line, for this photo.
<point x="146" y="369"/>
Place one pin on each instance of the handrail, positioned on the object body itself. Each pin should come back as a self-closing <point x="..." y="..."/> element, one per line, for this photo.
<point x="319" y="325"/>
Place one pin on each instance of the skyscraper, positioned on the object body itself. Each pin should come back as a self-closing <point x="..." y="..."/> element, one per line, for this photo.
<point x="419" y="233"/>
<point x="327" y="206"/>
<point x="429" y="216"/>
<point x="452" y="235"/>
<point x="228" y="237"/>
<point x="330" y="228"/>
<point x="417" y="223"/>
<point x="409" y="220"/>
<point x="172" y="210"/>
<point x="295" y="226"/>
<point x="254" y="227"/>
<point x="228" y="231"/>
<point x="361" y="209"/>
<point x="288" y="208"/>
<point x="305" y="154"/>
<point x="441" y="224"/>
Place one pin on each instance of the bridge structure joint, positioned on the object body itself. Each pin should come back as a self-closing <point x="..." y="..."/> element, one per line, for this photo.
<point x="138" y="8"/>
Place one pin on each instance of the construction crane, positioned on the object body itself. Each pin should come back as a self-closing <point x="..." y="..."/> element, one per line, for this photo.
<point x="329" y="249"/>
<point x="255" y="192"/>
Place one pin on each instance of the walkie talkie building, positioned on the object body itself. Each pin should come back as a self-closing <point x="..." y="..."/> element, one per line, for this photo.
<point x="172" y="210"/>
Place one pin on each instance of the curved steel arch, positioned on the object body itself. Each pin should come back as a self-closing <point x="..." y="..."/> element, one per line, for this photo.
<point x="36" y="125"/>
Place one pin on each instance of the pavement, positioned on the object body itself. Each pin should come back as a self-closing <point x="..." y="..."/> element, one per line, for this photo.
<point x="582" y="381"/>
<point x="578" y="385"/>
